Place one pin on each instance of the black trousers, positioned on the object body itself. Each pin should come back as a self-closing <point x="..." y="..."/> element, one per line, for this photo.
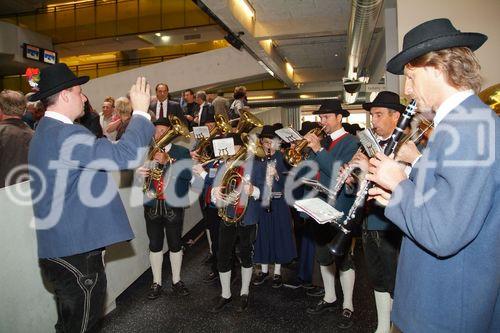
<point x="161" y="222"/>
<point x="213" y="221"/>
<point x="80" y="288"/>
<point x="381" y="255"/>
<point x="229" y="234"/>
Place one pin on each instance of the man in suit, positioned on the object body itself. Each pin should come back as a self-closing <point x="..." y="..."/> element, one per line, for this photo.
<point x="448" y="277"/>
<point x="204" y="110"/>
<point x="162" y="107"/>
<point x="337" y="148"/>
<point x="73" y="226"/>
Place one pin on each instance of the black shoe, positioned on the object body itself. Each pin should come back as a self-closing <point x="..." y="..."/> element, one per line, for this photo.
<point x="322" y="306"/>
<point x="210" y="277"/>
<point x="242" y="303"/>
<point x="294" y="284"/>
<point x="180" y="289"/>
<point x="345" y="319"/>
<point x="308" y="286"/>
<point x="220" y="304"/>
<point x="277" y="281"/>
<point x="209" y="258"/>
<point x="316" y="292"/>
<point x="155" y="291"/>
<point x="260" y="278"/>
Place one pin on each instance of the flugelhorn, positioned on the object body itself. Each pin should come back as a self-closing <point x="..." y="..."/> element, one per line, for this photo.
<point x="293" y="156"/>
<point x="156" y="173"/>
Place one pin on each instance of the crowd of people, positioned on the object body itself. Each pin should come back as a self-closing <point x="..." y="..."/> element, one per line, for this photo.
<point x="429" y="229"/>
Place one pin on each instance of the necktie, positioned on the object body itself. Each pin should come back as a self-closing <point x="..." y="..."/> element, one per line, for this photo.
<point x="161" y="111"/>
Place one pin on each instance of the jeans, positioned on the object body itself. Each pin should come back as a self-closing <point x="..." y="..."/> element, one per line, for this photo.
<point x="80" y="288"/>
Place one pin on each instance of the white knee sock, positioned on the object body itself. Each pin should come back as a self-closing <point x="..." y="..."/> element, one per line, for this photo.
<point x="156" y="260"/>
<point x="225" y="283"/>
<point x="246" y="276"/>
<point x="277" y="269"/>
<point x="175" y="264"/>
<point x="209" y="239"/>
<point x="329" y="282"/>
<point x="384" y="303"/>
<point x="264" y="268"/>
<point x="347" y="283"/>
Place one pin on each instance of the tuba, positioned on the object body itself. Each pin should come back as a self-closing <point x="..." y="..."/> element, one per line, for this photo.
<point x="248" y="121"/>
<point x="156" y="173"/>
<point x="295" y="156"/>
<point x="222" y="127"/>
<point x="234" y="201"/>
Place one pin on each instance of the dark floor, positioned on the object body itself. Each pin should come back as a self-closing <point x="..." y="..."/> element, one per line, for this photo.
<point x="270" y="310"/>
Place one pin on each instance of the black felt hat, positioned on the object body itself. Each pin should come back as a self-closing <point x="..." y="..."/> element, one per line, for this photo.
<point x="332" y="106"/>
<point x="267" y="132"/>
<point x="385" y="99"/>
<point x="163" y="122"/>
<point x="430" y="36"/>
<point x="55" y="78"/>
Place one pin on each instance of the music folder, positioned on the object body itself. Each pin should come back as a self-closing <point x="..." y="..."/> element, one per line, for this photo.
<point x="319" y="210"/>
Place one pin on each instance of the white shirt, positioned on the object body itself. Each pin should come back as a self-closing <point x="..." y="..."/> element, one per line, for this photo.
<point x="58" y="116"/>
<point x="337" y="134"/>
<point x="199" y="113"/>
<point x="450" y="103"/>
<point x="165" y="106"/>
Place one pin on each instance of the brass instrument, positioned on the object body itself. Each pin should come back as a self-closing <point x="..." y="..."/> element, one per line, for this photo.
<point x="293" y="156"/>
<point x="155" y="173"/>
<point x="233" y="199"/>
<point x="222" y="127"/>
<point x="248" y="122"/>
<point x="491" y="97"/>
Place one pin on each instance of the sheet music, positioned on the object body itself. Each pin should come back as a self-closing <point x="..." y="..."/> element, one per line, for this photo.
<point x="318" y="209"/>
<point x="223" y="147"/>
<point x="318" y="186"/>
<point x="288" y="134"/>
<point x="201" y="132"/>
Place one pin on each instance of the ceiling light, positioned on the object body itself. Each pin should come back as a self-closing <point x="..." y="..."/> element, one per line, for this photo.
<point x="335" y="54"/>
<point x="158" y="34"/>
<point x="289" y="67"/>
<point x="53" y="5"/>
<point x="247" y="8"/>
<point x="250" y="98"/>
<point x="165" y="38"/>
<point x="305" y="96"/>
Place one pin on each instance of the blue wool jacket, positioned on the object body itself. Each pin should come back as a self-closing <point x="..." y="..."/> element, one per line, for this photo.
<point x="76" y="204"/>
<point x="178" y="176"/>
<point x="448" y="277"/>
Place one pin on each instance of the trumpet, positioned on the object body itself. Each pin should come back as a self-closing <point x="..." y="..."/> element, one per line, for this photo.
<point x="293" y="156"/>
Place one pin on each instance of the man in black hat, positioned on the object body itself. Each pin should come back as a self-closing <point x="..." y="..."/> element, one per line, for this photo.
<point x="448" y="208"/>
<point x="68" y="168"/>
<point x="164" y="203"/>
<point x="381" y="238"/>
<point x="335" y="149"/>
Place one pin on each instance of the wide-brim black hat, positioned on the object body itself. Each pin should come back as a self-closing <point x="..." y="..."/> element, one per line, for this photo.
<point x="162" y="122"/>
<point x="430" y="36"/>
<point x="54" y="79"/>
<point x="267" y="132"/>
<point x="332" y="106"/>
<point x="385" y="99"/>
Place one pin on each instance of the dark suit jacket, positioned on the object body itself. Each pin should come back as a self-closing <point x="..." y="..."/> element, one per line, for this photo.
<point x="173" y="108"/>
<point x="207" y="110"/>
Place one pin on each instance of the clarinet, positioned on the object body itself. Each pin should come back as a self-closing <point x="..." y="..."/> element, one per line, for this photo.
<point x="341" y="240"/>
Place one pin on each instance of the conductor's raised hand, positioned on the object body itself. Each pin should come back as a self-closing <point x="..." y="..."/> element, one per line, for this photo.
<point x="140" y="95"/>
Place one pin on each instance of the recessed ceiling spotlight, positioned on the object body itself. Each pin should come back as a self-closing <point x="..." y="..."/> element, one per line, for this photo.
<point x="158" y="34"/>
<point x="165" y="38"/>
<point x="335" y="54"/>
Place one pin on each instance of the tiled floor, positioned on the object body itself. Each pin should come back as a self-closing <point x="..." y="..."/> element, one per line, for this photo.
<point x="270" y="310"/>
